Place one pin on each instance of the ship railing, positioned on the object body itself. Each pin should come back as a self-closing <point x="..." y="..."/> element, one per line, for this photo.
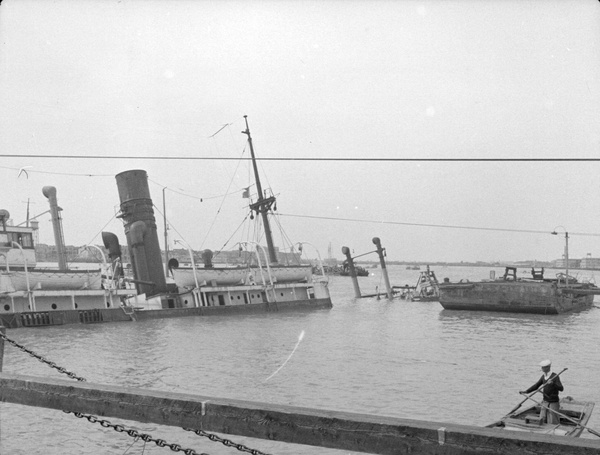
<point x="321" y="267"/>
<point x="258" y="249"/>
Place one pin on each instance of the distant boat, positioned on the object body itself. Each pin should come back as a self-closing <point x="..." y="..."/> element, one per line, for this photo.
<point x="341" y="270"/>
<point x="575" y="416"/>
<point x="427" y="288"/>
<point x="413" y="267"/>
<point x="518" y="295"/>
<point x="359" y="270"/>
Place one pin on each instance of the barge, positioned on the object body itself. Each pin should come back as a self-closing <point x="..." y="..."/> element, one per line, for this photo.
<point x="537" y="295"/>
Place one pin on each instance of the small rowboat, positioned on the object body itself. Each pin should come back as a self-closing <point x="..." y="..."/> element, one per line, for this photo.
<point x="575" y="415"/>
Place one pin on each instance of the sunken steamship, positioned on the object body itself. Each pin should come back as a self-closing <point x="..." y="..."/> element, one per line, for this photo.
<point x="261" y="285"/>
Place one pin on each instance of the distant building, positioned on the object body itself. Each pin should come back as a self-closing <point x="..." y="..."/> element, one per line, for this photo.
<point x="590" y="263"/>
<point x="573" y="263"/>
<point x="47" y="253"/>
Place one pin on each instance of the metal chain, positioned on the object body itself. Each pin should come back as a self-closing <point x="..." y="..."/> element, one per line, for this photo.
<point x="136" y="434"/>
<point x="226" y="442"/>
<point x="42" y="359"/>
<point x="131" y="432"/>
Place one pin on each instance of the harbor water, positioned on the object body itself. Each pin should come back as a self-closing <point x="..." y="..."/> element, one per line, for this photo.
<point x="373" y="356"/>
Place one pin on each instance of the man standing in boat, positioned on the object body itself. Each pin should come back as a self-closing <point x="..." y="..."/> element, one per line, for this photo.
<point x="551" y="387"/>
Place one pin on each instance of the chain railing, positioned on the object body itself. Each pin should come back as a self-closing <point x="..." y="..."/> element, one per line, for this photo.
<point x="135" y="434"/>
<point x="130" y="431"/>
<point x="41" y="359"/>
<point x="213" y="437"/>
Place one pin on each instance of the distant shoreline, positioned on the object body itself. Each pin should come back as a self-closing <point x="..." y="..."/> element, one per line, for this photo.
<point x="519" y="265"/>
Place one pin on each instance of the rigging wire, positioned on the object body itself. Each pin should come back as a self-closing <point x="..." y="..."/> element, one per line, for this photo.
<point x="231" y="236"/>
<point x="199" y="198"/>
<point x="221" y="205"/>
<point x="103" y="227"/>
<point x="54" y="173"/>
<point x="446" y="226"/>
<point x="285" y="239"/>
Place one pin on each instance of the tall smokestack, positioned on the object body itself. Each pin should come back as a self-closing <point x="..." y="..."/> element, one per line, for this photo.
<point x="140" y="230"/>
<point x="50" y="193"/>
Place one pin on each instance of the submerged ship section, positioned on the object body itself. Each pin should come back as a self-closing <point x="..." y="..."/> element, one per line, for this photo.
<point x="204" y="289"/>
<point x="32" y="297"/>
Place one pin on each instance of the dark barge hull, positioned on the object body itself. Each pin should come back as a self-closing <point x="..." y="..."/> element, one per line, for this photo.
<point x="534" y="297"/>
<point x="103" y="315"/>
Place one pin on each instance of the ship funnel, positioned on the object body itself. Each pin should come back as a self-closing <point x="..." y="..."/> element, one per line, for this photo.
<point x="50" y="193"/>
<point x="140" y="229"/>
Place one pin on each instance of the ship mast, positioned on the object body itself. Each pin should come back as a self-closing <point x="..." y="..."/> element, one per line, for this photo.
<point x="263" y="204"/>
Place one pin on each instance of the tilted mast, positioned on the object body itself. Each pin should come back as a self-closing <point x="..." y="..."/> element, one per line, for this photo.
<point x="263" y="204"/>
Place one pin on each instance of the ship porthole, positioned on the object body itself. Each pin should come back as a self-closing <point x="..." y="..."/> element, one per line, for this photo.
<point x="54" y="306"/>
<point x="6" y="307"/>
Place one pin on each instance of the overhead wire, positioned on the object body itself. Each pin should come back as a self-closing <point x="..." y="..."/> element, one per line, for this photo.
<point x="447" y="226"/>
<point x="320" y="158"/>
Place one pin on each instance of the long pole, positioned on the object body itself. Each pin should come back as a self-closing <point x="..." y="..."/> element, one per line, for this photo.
<point x="567" y="255"/>
<point x="261" y="207"/>
<point x="533" y="393"/>
<point x="166" y="234"/>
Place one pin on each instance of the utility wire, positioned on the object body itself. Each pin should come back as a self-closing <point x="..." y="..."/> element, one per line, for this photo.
<point x="447" y="226"/>
<point x="337" y="159"/>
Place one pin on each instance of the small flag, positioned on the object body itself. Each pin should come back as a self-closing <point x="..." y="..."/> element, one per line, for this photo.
<point x="246" y="193"/>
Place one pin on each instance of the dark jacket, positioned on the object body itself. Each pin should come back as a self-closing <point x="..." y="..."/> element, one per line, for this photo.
<point x="550" y="390"/>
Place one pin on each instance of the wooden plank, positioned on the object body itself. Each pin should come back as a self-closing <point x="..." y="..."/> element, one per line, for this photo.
<point x="299" y="425"/>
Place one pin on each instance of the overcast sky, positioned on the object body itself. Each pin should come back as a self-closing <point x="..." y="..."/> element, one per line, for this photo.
<point x="323" y="79"/>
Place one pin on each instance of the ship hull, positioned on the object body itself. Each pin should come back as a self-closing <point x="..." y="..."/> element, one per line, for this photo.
<point x="120" y="314"/>
<point x="515" y="297"/>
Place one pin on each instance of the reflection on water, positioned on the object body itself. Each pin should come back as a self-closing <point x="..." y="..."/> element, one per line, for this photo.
<point x="394" y="358"/>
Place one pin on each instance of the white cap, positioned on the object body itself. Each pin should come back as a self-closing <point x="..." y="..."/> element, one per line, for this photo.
<point x="545" y="363"/>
